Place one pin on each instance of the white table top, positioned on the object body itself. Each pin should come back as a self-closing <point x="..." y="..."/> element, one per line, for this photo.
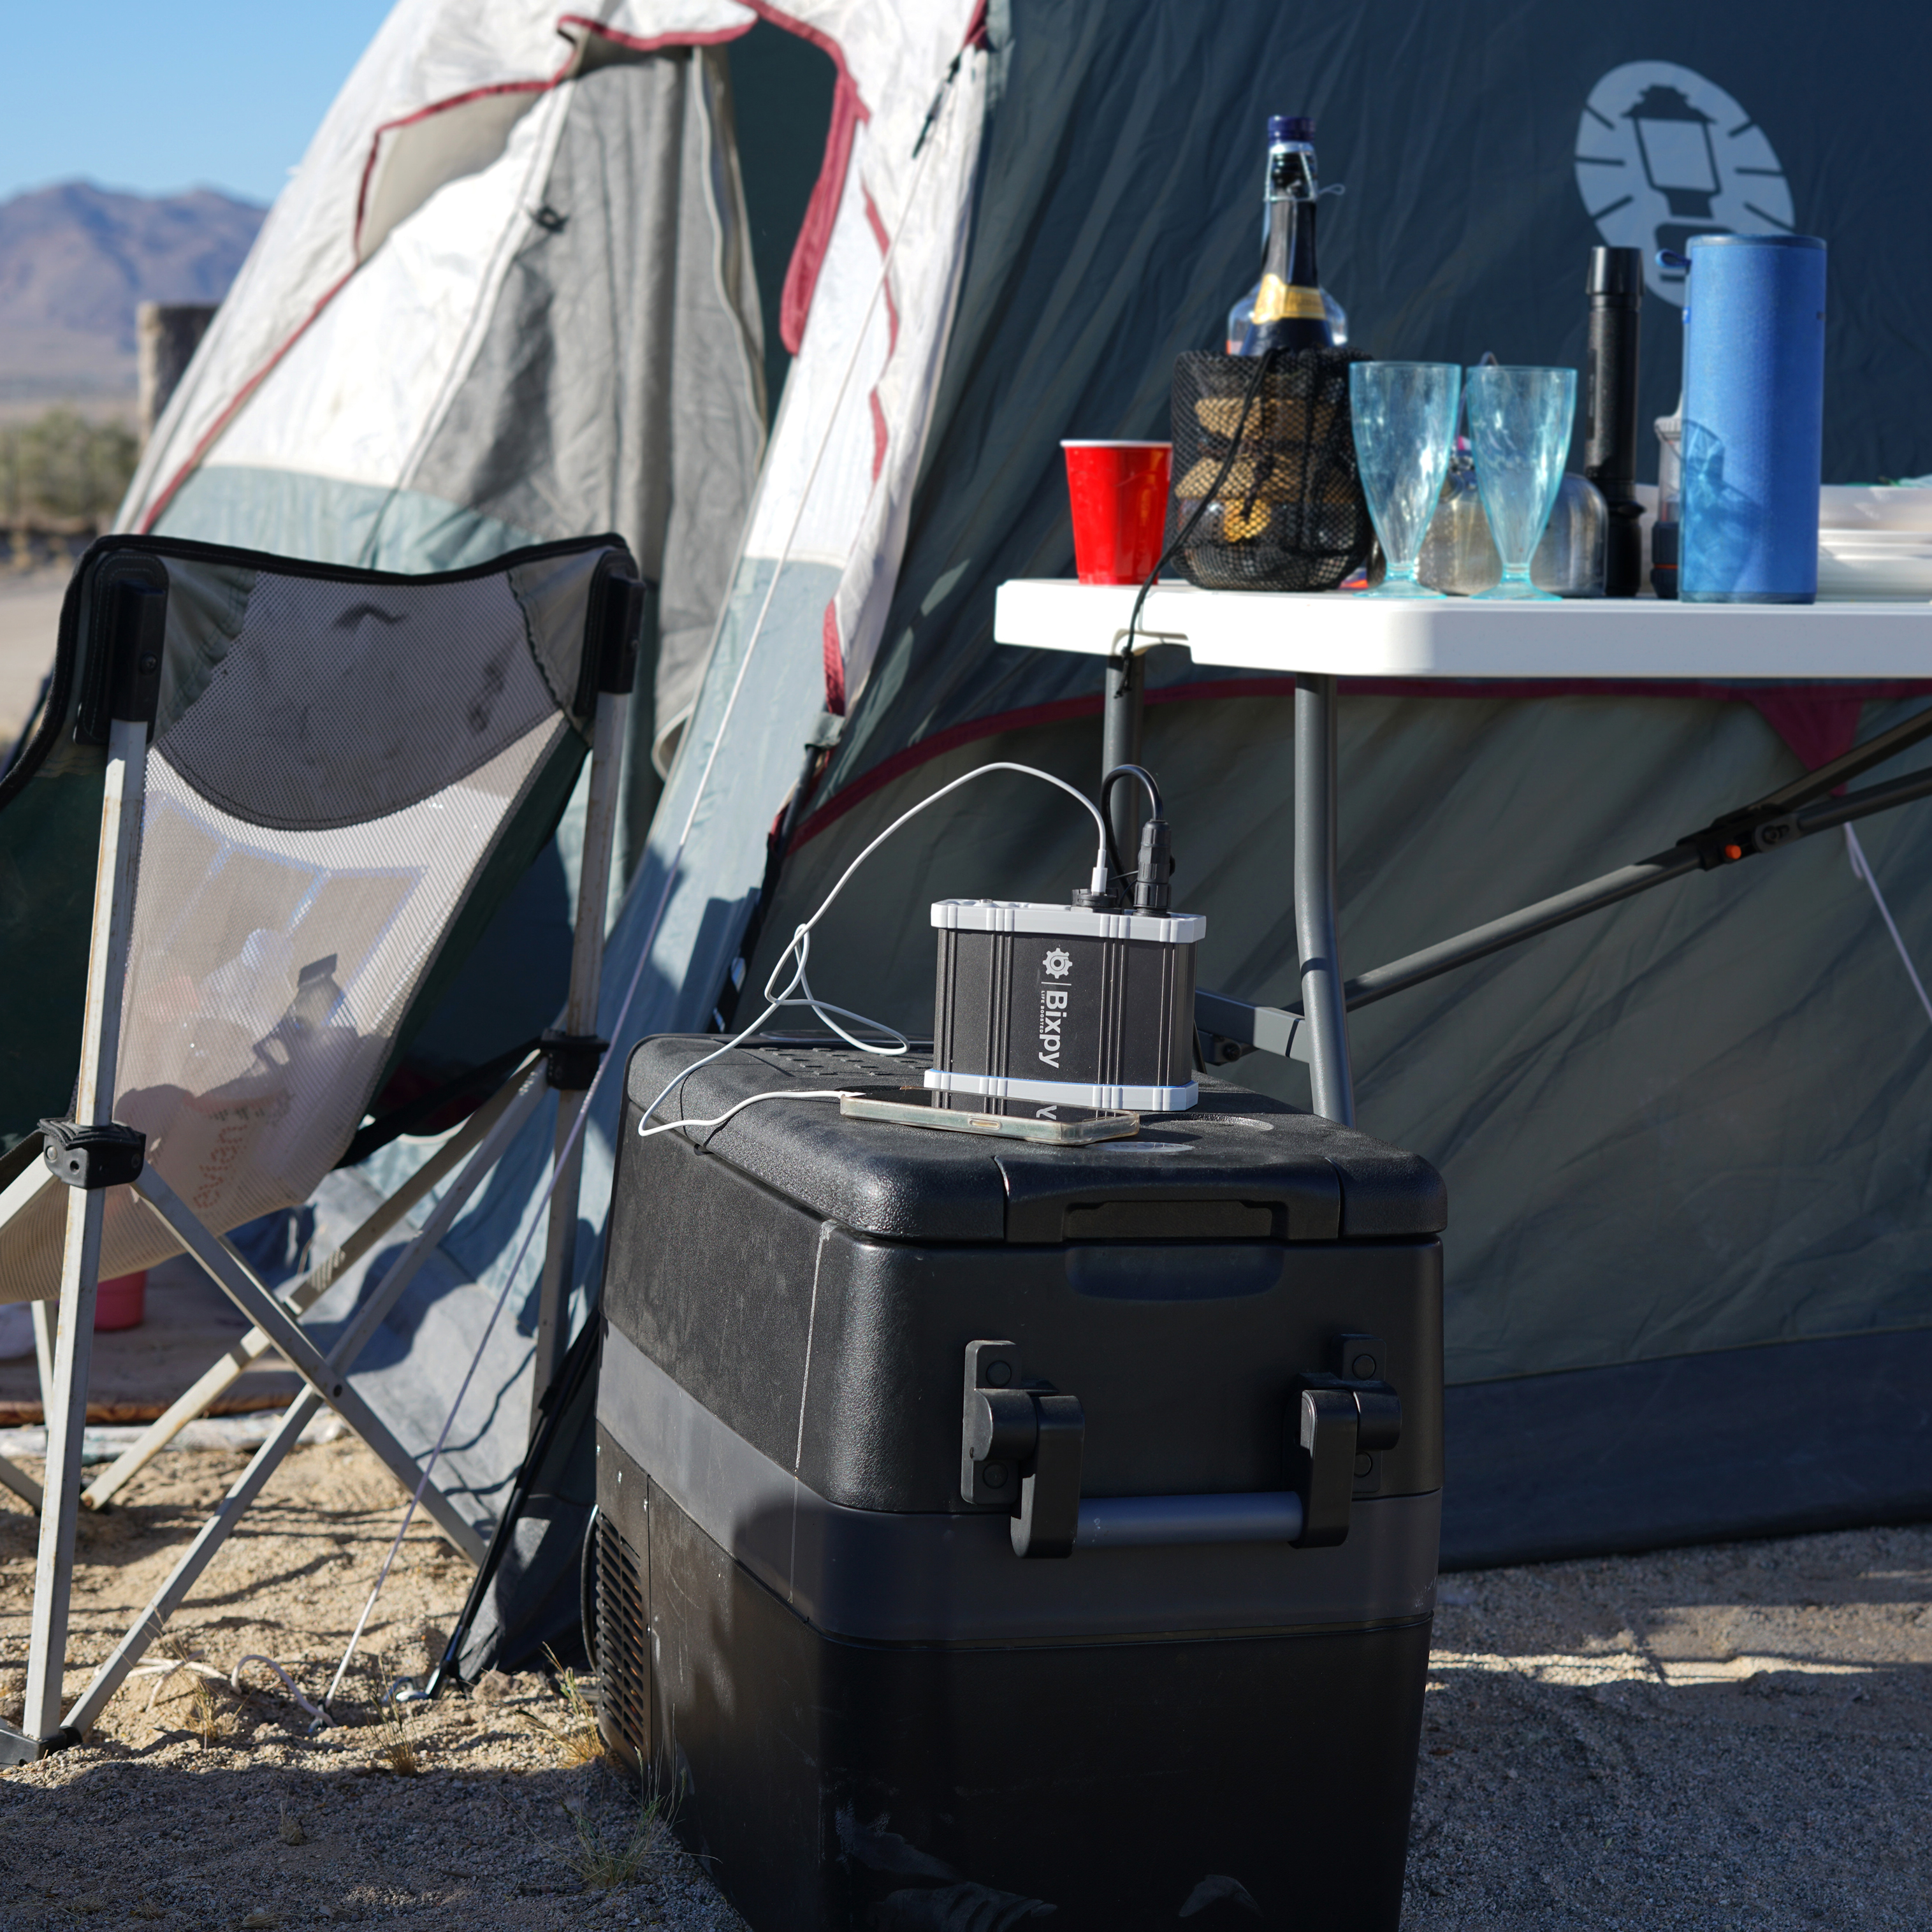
<point x="1344" y="633"/>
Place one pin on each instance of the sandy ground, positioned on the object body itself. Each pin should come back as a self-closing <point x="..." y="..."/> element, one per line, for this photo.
<point x="136" y="1372"/>
<point x="1732" y="1737"/>
<point x="220" y="1810"/>
<point x="30" y="605"/>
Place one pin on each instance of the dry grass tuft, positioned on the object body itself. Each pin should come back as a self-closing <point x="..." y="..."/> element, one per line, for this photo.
<point x="400" y="1752"/>
<point x="604" y="1867"/>
<point x="207" y="1725"/>
<point x="292" y="1832"/>
<point x="577" y="1741"/>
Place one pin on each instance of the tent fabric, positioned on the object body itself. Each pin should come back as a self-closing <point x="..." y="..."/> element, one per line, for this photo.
<point x="764" y="693"/>
<point x="1709" y="1099"/>
<point x="817" y="564"/>
<point x="1687" y="1131"/>
<point x="554" y="330"/>
<point x="1546" y="1467"/>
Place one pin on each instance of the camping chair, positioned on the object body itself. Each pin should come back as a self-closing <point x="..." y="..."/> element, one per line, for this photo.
<point x="318" y="784"/>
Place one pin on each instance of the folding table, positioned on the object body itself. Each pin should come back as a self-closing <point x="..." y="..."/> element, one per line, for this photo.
<point x="1317" y="638"/>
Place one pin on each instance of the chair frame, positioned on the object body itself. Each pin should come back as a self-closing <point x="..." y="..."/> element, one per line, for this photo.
<point x="562" y="1066"/>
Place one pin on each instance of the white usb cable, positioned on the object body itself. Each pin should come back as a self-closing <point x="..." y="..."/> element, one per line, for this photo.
<point x="796" y="990"/>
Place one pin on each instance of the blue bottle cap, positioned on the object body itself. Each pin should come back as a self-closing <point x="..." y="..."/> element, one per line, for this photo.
<point x="1290" y="127"/>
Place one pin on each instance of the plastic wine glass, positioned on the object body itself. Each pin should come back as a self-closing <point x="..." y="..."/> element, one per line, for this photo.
<point x="1519" y="432"/>
<point x="1404" y="421"/>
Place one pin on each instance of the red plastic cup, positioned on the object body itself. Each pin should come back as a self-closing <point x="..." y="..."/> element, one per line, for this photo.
<point x="120" y="1303"/>
<point x="1119" y="508"/>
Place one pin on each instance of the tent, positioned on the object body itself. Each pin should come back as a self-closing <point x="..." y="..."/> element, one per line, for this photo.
<point x="512" y="290"/>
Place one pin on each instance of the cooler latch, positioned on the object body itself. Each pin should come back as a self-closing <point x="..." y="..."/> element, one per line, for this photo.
<point x="1020" y="1448"/>
<point x="1338" y="1424"/>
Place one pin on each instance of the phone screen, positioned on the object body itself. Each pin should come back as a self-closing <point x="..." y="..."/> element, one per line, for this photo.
<point x="1056" y="1111"/>
<point x="1052" y="1121"/>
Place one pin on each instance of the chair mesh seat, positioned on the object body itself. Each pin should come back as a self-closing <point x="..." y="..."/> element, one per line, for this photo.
<point x="338" y="758"/>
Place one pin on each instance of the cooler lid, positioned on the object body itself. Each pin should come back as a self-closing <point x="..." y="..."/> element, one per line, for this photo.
<point x="1237" y="1166"/>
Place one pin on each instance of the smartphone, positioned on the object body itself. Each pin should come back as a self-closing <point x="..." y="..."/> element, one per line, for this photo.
<point x="1050" y="1120"/>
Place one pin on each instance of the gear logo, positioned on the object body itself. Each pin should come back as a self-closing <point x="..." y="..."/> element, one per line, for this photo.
<point x="1058" y="963"/>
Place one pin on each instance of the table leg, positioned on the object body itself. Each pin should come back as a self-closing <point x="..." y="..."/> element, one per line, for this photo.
<point x="1315" y="815"/>
<point x="1120" y="745"/>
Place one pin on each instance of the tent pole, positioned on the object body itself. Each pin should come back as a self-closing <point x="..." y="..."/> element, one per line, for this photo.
<point x="579" y="1025"/>
<point x="66" y="1416"/>
<point x="1761" y="827"/>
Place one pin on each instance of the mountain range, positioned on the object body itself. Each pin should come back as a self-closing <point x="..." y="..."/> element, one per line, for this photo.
<point x="75" y="260"/>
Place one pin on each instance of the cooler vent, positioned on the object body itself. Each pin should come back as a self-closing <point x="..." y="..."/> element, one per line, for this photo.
<point x="623" y="1648"/>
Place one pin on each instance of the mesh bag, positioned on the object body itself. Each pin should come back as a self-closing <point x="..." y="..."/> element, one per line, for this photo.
<point x="1289" y="513"/>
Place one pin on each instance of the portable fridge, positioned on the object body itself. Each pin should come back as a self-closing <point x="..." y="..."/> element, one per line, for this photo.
<point x="852" y="1369"/>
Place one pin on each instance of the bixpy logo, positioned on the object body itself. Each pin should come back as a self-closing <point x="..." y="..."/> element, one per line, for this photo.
<point x="1058" y="964"/>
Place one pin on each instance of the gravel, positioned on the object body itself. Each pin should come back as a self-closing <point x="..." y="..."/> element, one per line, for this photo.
<point x="218" y="1810"/>
<point x="1737" y="1736"/>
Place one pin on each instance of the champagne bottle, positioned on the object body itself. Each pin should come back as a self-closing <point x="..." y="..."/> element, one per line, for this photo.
<point x="1282" y="128"/>
<point x="1288" y="310"/>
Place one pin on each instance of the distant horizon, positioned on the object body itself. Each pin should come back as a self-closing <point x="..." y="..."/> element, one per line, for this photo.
<point x="139" y="194"/>
<point x="222" y="97"/>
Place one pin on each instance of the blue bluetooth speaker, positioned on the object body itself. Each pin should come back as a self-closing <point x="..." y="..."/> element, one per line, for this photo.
<point x="1753" y="419"/>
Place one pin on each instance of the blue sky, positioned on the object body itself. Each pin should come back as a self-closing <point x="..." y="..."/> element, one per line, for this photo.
<point x="158" y="96"/>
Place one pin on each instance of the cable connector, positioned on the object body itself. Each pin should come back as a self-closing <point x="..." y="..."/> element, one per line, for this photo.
<point x="1152" y="892"/>
<point x="1099" y="894"/>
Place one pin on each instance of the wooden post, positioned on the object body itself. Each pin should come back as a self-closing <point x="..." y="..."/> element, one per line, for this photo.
<point x="166" y="335"/>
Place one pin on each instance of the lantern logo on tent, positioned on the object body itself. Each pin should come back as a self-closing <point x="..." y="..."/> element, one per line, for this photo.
<point x="1663" y="155"/>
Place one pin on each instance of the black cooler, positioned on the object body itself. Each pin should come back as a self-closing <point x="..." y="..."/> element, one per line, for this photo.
<point x="990" y="1531"/>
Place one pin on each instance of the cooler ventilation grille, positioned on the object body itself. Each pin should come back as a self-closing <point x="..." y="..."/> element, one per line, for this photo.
<point x="623" y="1647"/>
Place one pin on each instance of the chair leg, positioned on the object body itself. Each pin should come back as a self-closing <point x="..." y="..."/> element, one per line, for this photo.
<point x="12" y="1477"/>
<point x="27" y="1187"/>
<point x="328" y="1385"/>
<point x="329" y="1375"/>
<point x="152" y="1621"/>
<point x="43" y="1351"/>
<point x="579" y="1022"/>
<point x="302" y="1296"/>
<point x="125" y="782"/>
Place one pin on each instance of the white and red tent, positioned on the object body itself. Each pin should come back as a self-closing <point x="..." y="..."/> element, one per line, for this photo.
<point x="510" y="294"/>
